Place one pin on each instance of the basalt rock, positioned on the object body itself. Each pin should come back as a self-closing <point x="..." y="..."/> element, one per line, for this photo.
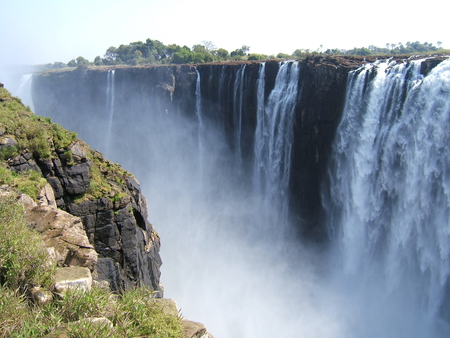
<point x="143" y="93"/>
<point x="116" y="225"/>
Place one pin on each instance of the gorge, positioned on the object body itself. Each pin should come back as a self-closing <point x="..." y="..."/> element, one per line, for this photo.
<point x="292" y="198"/>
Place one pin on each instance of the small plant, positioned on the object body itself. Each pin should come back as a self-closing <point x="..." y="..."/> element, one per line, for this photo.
<point x="68" y="156"/>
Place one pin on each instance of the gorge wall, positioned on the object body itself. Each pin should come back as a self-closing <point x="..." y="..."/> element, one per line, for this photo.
<point x="78" y="99"/>
<point x="239" y="159"/>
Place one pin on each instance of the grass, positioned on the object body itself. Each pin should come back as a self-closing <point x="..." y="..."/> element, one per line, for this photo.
<point x="132" y="314"/>
<point x="32" y="132"/>
<point x="24" y="260"/>
<point x="24" y="263"/>
<point x="45" y="140"/>
<point x="27" y="182"/>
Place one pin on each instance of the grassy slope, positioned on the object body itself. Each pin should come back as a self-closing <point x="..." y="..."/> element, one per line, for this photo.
<point x="23" y="258"/>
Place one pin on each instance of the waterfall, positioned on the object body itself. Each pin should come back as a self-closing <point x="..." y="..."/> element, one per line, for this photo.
<point x="24" y="90"/>
<point x="260" y="158"/>
<point x="198" y="113"/>
<point x="389" y="197"/>
<point x="238" y="97"/>
<point x="110" y="109"/>
<point x="274" y="137"/>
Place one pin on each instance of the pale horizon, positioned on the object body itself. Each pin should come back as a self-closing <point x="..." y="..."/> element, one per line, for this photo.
<point x="42" y="32"/>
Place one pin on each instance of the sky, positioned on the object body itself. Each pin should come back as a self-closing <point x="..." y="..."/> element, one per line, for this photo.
<point x="45" y="31"/>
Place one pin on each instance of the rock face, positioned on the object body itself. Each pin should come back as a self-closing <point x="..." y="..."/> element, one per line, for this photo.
<point x="64" y="234"/>
<point x="126" y="245"/>
<point x="171" y="91"/>
<point x="227" y="90"/>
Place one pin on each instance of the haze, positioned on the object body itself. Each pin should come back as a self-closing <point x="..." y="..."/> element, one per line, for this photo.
<point x="33" y="32"/>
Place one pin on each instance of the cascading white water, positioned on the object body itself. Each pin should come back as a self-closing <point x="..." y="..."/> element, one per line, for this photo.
<point x="24" y="90"/>
<point x="198" y="113"/>
<point x="260" y="133"/>
<point x="110" y="95"/>
<point x="389" y="198"/>
<point x="238" y="97"/>
<point x="388" y="207"/>
<point x="274" y="137"/>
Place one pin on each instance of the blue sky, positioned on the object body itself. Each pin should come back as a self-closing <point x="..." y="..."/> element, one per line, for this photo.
<point x="45" y="31"/>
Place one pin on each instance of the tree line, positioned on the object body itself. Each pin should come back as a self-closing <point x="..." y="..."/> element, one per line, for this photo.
<point x="155" y="52"/>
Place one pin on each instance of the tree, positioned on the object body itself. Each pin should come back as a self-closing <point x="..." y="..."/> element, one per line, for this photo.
<point x="171" y="49"/>
<point x="98" y="61"/>
<point x="72" y="63"/>
<point x="111" y="55"/>
<point x="209" y="45"/>
<point x="199" y="49"/>
<point x="184" y="55"/>
<point x="255" y="56"/>
<point x="222" y="54"/>
<point x="81" y="61"/>
<point x="282" y="56"/>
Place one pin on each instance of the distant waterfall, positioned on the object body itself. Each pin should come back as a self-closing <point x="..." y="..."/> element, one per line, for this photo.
<point x="238" y="97"/>
<point x="274" y="136"/>
<point x="198" y="113"/>
<point x="389" y="200"/>
<point x="24" y="90"/>
<point x="110" y="108"/>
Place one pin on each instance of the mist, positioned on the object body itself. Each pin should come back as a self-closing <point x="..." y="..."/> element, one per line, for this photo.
<point x="233" y="261"/>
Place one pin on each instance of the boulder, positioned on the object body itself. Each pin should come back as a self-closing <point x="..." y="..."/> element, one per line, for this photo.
<point x="74" y="278"/>
<point x="40" y="295"/>
<point x="65" y="234"/>
<point x="195" y="330"/>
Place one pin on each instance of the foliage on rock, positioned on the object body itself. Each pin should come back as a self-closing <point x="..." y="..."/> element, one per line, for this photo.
<point x="32" y="133"/>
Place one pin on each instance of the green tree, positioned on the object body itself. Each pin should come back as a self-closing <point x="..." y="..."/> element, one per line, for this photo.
<point x="199" y="49"/>
<point x="255" y="56"/>
<point x="72" y="63"/>
<point x="283" y="56"/>
<point x="222" y="54"/>
<point x="98" y="61"/>
<point x="111" y="55"/>
<point x="81" y="61"/>
<point x="184" y="55"/>
<point x="171" y="49"/>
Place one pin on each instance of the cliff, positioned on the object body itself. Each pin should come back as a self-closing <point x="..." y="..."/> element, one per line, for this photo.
<point x="107" y="198"/>
<point x="226" y="90"/>
<point x="227" y="101"/>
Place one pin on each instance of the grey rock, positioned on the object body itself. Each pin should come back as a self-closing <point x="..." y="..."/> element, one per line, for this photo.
<point x="74" y="277"/>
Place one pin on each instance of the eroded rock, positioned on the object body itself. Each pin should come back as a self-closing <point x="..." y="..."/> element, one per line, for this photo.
<point x="65" y="234"/>
<point x="73" y="278"/>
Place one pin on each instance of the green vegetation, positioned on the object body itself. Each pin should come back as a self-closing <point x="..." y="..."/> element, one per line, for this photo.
<point x="43" y="138"/>
<point x="32" y="132"/>
<point x="107" y="179"/>
<point x="24" y="260"/>
<point x="155" y="52"/>
<point x="28" y="182"/>
<point x="24" y="263"/>
<point x="134" y="313"/>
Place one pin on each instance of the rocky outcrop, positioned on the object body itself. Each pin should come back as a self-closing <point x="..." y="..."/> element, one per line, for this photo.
<point x="116" y="225"/>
